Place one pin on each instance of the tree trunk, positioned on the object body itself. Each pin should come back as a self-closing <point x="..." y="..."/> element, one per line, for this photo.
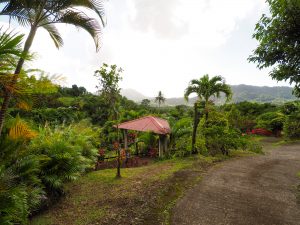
<point x="8" y="94"/>
<point x="206" y="112"/>
<point x="196" y="122"/>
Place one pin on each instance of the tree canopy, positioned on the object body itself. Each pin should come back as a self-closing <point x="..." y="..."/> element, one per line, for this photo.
<point x="278" y="35"/>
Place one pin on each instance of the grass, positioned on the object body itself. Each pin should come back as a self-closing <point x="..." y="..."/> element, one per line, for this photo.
<point x="143" y="195"/>
<point x="285" y="142"/>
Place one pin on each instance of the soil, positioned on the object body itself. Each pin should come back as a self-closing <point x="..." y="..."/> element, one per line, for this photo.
<point x="254" y="190"/>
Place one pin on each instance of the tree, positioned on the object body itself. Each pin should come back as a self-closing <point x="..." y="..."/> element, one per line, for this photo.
<point x="145" y="103"/>
<point x="278" y="36"/>
<point x="205" y="88"/>
<point x="109" y="78"/>
<point x="160" y="98"/>
<point x="46" y="13"/>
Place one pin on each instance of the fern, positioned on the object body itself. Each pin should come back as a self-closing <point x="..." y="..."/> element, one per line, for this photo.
<point x="21" y="131"/>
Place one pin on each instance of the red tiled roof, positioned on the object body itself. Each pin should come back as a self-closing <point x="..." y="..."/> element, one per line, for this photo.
<point x="147" y="124"/>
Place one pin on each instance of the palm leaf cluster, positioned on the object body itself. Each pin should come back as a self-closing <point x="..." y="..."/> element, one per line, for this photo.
<point x="10" y="47"/>
<point x="10" y="51"/>
<point x="205" y="88"/>
<point x="47" y="13"/>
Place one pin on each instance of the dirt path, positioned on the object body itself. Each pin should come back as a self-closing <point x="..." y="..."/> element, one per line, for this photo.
<point x="256" y="190"/>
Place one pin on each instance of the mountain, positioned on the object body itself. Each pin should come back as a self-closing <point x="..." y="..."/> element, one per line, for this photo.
<point x="133" y="95"/>
<point x="241" y="93"/>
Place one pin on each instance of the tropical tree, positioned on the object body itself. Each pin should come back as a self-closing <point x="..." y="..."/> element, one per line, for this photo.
<point x="205" y="88"/>
<point x="278" y="34"/>
<point x="160" y="99"/>
<point x="109" y="78"/>
<point x="145" y="103"/>
<point x="45" y="14"/>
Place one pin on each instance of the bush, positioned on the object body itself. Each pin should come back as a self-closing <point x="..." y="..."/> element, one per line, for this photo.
<point x="292" y="126"/>
<point x="34" y="167"/>
<point x="21" y="190"/>
<point x="182" y="147"/>
<point x="271" y="121"/>
<point x="69" y="150"/>
<point x="217" y="135"/>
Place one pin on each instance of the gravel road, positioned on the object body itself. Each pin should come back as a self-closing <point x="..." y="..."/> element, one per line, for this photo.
<point x="253" y="190"/>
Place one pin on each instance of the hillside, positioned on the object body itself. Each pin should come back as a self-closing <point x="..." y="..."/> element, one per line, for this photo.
<point x="240" y="93"/>
<point x="133" y="95"/>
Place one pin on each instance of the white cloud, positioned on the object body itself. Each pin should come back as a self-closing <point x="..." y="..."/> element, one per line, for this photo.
<point x="162" y="44"/>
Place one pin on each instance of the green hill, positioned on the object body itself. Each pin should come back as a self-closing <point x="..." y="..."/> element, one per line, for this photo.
<point x="241" y="93"/>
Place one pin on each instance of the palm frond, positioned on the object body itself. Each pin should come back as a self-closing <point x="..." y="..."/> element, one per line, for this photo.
<point x="54" y="34"/>
<point x="21" y="131"/>
<point x="95" y="5"/>
<point x="81" y="20"/>
<point x="189" y="90"/>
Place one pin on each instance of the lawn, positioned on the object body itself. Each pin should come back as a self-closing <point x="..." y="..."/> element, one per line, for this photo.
<point x="143" y="195"/>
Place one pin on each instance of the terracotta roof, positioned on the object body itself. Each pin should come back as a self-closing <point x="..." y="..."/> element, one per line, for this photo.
<point x="147" y="124"/>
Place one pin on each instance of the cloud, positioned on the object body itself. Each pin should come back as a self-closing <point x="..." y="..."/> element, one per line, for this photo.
<point x="159" y="17"/>
<point x="161" y="44"/>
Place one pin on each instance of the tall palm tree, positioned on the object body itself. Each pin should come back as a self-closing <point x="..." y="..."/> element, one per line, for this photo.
<point x="45" y="14"/>
<point x="205" y="88"/>
<point x="160" y="99"/>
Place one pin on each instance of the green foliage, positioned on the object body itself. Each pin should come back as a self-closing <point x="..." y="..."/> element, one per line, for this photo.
<point x="108" y="87"/>
<point x="70" y="151"/>
<point x="74" y="91"/>
<point x="205" y="88"/>
<point x="21" y="190"/>
<point x="10" y="49"/>
<point x="34" y="169"/>
<point x="145" y="103"/>
<point x="149" y="139"/>
<point x="278" y="36"/>
<point x="216" y="136"/>
<point x="182" y="146"/>
<point x="292" y="126"/>
<point x="53" y="115"/>
<point x="46" y="14"/>
<point x="271" y="121"/>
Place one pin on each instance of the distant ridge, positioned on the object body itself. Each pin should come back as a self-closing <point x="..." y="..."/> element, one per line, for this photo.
<point x="133" y="95"/>
<point x="241" y="93"/>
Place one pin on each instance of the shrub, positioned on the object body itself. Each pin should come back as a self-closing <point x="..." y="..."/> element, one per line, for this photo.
<point x="21" y="190"/>
<point x="292" y="126"/>
<point x="271" y="121"/>
<point x="182" y="146"/>
<point x="69" y="151"/>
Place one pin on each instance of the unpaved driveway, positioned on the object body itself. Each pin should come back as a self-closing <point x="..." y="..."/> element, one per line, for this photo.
<point x="255" y="190"/>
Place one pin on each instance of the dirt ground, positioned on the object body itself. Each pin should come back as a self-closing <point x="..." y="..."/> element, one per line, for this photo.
<point x="254" y="190"/>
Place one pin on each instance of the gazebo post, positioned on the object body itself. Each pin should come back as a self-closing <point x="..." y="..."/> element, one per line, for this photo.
<point x="165" y="143"/>
<point x="161" y="145"/>
<point x="125" y="140"/>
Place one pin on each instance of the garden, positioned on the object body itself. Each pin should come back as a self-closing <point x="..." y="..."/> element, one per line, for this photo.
<point x="67" y="155"/>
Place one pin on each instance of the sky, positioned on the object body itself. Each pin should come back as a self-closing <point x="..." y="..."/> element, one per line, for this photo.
<point x="160" y="44"/>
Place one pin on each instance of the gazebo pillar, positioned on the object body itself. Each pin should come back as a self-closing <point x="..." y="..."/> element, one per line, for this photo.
<point x="162" y="145"/>
<point x="125" y="140"/>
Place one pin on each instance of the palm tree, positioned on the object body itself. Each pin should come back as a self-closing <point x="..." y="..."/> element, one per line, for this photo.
<point x="205" y="88"/>
<point x="160" y="99"/>
<point x="46" y="13"/>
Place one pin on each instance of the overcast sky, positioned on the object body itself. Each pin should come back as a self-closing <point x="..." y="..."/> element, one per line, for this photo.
<point x="161" y="45"/>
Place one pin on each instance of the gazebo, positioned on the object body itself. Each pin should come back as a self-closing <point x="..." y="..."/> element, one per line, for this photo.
<point x="148" y="124"/>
